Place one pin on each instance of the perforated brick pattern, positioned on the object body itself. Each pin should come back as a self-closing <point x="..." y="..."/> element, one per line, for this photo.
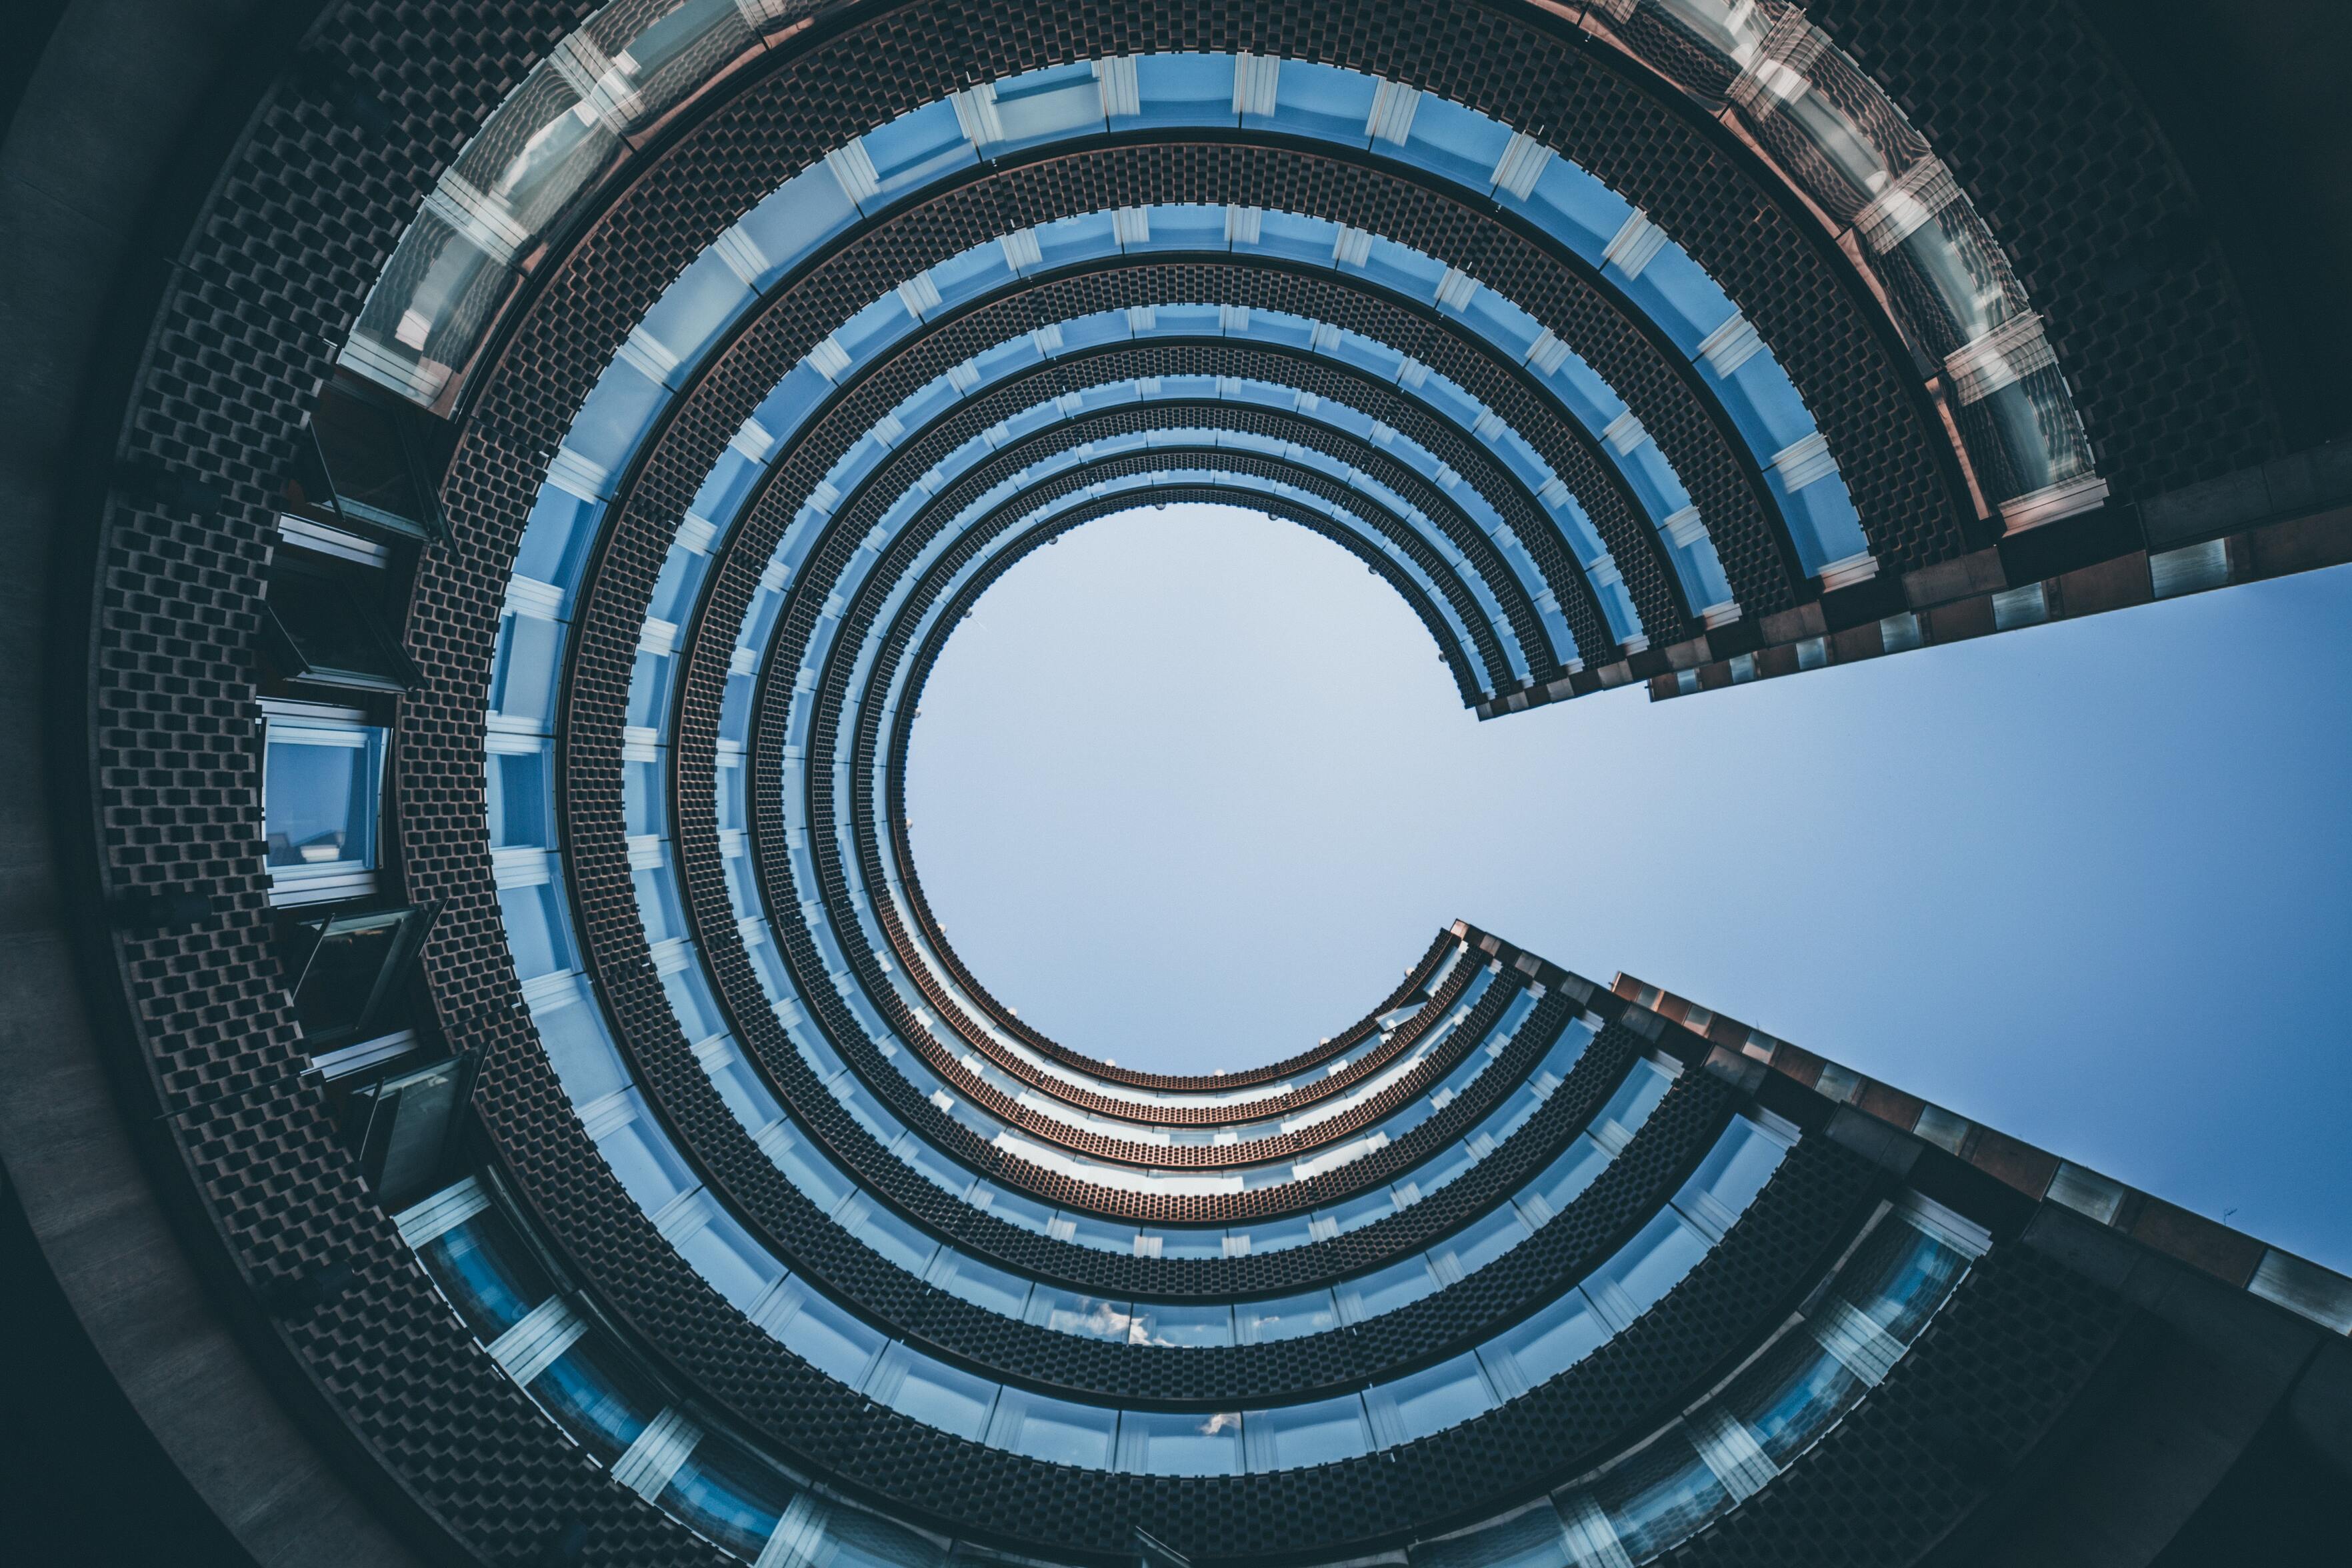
<point x="2040" y="126"/>
<point x="305" y="216"/>
<point x="2013" y="1348"/>
<point x="305" y="213"/>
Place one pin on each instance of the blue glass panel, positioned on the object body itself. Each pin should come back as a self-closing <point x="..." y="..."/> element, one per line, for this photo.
<point x="801" y="215"/>
<point x="1183" y="90"/>
<point x="1319" y="100"/>
<point x="556" y="541"/>
<point x="486" y="1273"/>
<point x="917" y="148"/>
<point x="1184" y="1323"/>
<point x="1674" y="291"/>
<point x="524" y="669"/>
<point x="1322" y="1433"/>
<point x="1458" y="144"/>
<point x="1550" y="1341"/>
<point x="594" y="1394"/>
<point x="522" y="800"/>
<point x="1385" y="1290"/>
<point x="1287" y="1317"/>
<point x="933" y="1393"/>
<point x="1430" y="1400"/>
<point x="644" y="1161"/>
<point x="734" y="1264"/>
<point x="615" y="416"/>
<point x="693" y="311"/>
<point x="827" y="1338"/>
<point x="1179" y="1443"/>
<point x="585" y="1060"/>
<point x="725" y="1494"/>
<point x="969" y="1279"/>
<point x="1039" y="106"/>
<point x="537" y="930"/>
<point x="1575" y="208"/>
<point x="1053" y="1430"/>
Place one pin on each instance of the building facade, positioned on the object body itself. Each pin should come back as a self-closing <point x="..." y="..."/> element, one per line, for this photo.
<point x="490" y="1087"/>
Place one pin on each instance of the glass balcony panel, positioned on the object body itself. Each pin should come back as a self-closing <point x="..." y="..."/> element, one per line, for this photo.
<point x="1318" y="100"/>
<point x="1292" y="1436"/>
<point x="557" y="539"/>
<point x="1087" y="1317"/>
<point x="791" y="222"/>
<point x="1287" y="1318"/>
<point x="967" y="1279"/>
<point x="932" y="1392"/>
<point x="1659" y="1497"/>
<point x="826" y="1337"/>
<point x="644" y="1161"/>
<point x="524" y="668"/>
<point x="1554" y="1339"/>
<point x="729" y="1496"/>
<point x="1183" y="1323"/>
<point x="598" y="1397"/>
<point x="1385" y="1290"/>
<point x="586" y="1062"/>
<point x="730" y="1260"/>
<point x="1055" y="1430"/>
<point x="1179" y="1443"/>
<point x="539" y="933"/>
<point x="1791" y="1395"/>
<point x="1654" y="1261"/>
<point x="486" y="1273"/>
<point x="1183" y="90"/>
<point x="1429" y="1401"/>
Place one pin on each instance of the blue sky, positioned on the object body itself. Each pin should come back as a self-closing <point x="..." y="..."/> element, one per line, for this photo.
<point x="1190" y="788"/>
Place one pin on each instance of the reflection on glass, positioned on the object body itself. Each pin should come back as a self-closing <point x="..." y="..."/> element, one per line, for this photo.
<point x="319" y="797"/>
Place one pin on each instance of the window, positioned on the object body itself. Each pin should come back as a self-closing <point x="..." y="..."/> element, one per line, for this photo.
<point x="321" y="785"/>
<point x="1292" y="1436"/>
<point x="321" y="628"/>
<point x="364" y="465"/>
<point x="1179" y="1443"/>
<point x="404" y="1129"/>
<point x="347" y="970"/>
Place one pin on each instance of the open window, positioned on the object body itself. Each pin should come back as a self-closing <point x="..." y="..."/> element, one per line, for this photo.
<point x="347" y="967"/>
<point x="322" y="798"/>
<point x="404" y="1127"/>
<point x="321" y="627"/>
<point x="362" y="466"/>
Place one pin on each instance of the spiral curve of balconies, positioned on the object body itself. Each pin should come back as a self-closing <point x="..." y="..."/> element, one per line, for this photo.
<point x="807" y="1241"/>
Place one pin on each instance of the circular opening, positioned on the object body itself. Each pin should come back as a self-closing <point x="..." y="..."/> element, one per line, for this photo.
<point x="1149" y="788"/>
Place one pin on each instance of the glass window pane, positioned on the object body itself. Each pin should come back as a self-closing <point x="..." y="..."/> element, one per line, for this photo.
<point x="1430" y="1400"/>
<point x="931" y="1391"/>
<point x="1183" y="1323"/>
<point x="824" y="1335"/>
<point x="522" y="798"/>
<point x="318" y="798"/>
<point x="729" y="1496"/>
<point x="598" y="1397"/>
<point x="1089" y="1317"/>
<point x="1385" y="1290"/>
<point x="1287" y="1318"/>
<point x="1291" y="1435"/>
<point x="1555" y="1339"/>
<point x="1791" y="1395"/>
<point x="1179" y="1443"/>
<point x="1055" y="1430"/>
<point x="1652" y="1263"/>
<point x="1660" y="1496"/>
<point x="486" y="1273"/>
<point x="967" y="1279"/>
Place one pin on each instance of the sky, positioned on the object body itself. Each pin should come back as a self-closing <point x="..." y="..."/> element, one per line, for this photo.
<point x="1190" y="788"/>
